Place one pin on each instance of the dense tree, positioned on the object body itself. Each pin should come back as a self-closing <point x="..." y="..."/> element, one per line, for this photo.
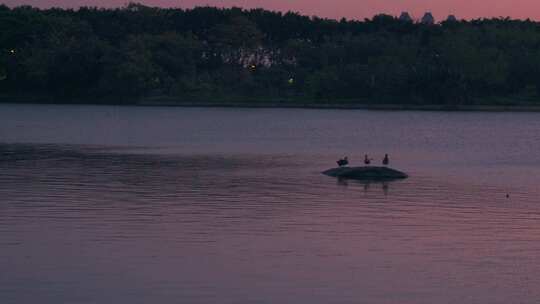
<point x="210" y="54"/>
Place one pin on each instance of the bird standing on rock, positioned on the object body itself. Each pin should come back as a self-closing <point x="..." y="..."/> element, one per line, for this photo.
<point x="386" y="160"/>
<point x="367" y="161"/>
<point x="343" y="162"/>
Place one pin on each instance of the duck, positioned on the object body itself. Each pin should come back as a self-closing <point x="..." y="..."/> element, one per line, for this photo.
<point x="386" y="160"/>
<point x="343" y="162"/>
<point x="367" y="161"/>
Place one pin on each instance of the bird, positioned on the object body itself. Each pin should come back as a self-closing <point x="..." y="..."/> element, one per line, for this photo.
<point x="367" y="161"/>
<point x="343" y="162"/>
<point x="386" y="161"/>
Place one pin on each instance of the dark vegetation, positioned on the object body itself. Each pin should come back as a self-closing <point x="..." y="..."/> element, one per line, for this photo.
<point x="232" y="55"/>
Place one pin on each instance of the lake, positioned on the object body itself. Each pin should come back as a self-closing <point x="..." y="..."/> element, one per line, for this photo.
<point x="108" y="204"/>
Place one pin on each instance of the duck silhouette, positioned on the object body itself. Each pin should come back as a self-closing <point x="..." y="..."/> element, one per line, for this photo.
<point x="343" y="162"/>
<point x="386" y="160"/>
<point x="367" y="161"/>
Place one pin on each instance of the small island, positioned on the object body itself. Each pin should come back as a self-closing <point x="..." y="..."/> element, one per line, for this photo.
<point x="366" y="173"/>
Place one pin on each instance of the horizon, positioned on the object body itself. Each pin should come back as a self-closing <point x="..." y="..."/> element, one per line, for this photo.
<point x="349" y="9"/>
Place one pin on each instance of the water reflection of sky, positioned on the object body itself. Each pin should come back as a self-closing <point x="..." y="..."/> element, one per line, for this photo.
<point x="141" y="221"/>
<point x="88" y="226"/>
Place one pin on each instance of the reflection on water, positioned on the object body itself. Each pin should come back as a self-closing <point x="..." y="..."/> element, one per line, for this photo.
<point x="384" y="186"/>
<point x="137" y="224"/>
<point x="89" y="224"/>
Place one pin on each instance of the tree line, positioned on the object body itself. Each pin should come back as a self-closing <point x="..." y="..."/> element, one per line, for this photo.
<point x="210" y="54"/>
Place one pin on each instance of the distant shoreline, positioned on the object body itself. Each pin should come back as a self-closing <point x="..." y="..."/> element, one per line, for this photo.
<point x="256" y="58"/>
<point x="292" y="105"/>
<point x="374" y="107"/>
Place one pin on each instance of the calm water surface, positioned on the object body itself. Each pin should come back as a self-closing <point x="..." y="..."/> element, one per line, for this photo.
<point x="178" y="205"/>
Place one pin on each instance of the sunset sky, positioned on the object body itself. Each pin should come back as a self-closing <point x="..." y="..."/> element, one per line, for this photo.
<point x="356" y="9"/>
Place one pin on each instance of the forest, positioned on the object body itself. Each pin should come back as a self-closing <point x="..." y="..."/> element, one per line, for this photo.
<point x="138" y="53"/>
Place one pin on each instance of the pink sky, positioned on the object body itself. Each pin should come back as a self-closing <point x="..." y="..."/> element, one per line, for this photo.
<point x="337" y="8"/>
